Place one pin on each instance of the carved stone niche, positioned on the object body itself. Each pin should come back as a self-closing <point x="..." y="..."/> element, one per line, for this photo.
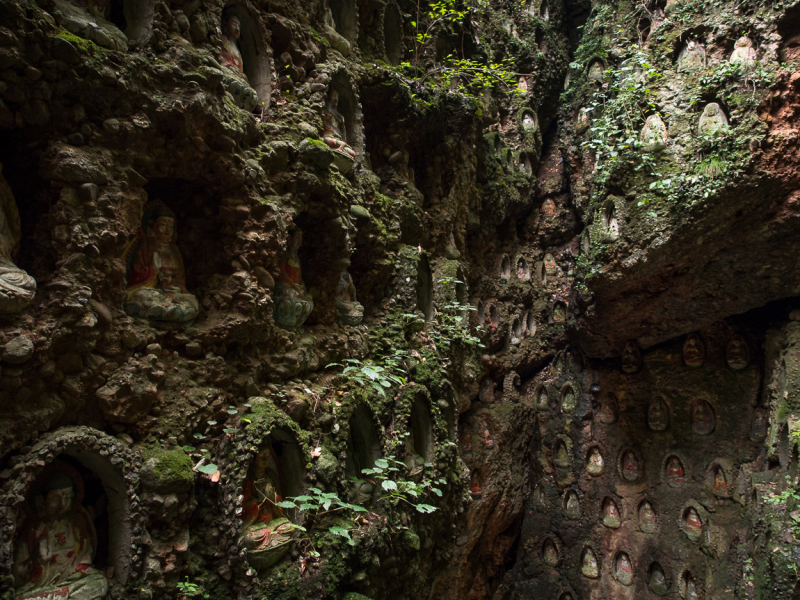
<point x="609" y="513"/>
<point x="590" y="567"/>
<point x="505" y="268"/>
<point x="71" y="515"/>
<point x="694" y="351"/>
<point x="647" y="518"/>
<point x="548" y="209"/>
<point x="486" y="394"/>
<point x="341" y="18"/>
<point x="737" y="353"/>
<point x="17" y="288"/>
<point x="623" y="568"/>
<point x="551" y="552"/>
<point x="607" y="229"/>
<point x="363" y="449"/>
<point x="595" y="73"/>
<point x="562" y="452"/>
<point x="542" y="400"/>
<point x="569" y="398"/>
<point x="419" y="445"/>
<point x="687" y="587"/>
<point x="275" y="473"/>
<point x="674" y="472"/>
<point x="245" y="59"/>
<point x="609" y="409"/>
<point x="476" y="485"/>
<point x="658" y="414"/>
<point x="692" y="520"/>
<point x="720" y="477"/>
<point x="559" y="312"/>
<point x="517" y="331"/>
<point x="703" y="418"/>
<point x="595" y="465"/>
<point x="523" y="272"/>
<point x="630" y="464"/>
<point x="393" y="34"/>
<point x="658" y="579"/>
<point x="572" y="505"/>
<point x="530" y="323"/>
<point x="343" y="122"/>
<point x="424" y="287"/>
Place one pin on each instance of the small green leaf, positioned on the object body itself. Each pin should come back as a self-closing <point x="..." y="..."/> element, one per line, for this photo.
<point x="287" y="504"/>
<point x="388" y="485"/>
<point x="208" y="468"/>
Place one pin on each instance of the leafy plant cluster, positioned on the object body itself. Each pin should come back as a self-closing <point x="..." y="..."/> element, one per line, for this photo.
<point x="380" y="376"/>
<point x="191" y="590"/>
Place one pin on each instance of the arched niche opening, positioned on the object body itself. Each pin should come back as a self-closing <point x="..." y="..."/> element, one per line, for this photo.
<point x="559" y="312"/>
<point x="688" y="587"/>
<point x="494" y="317"/>
<point x="517" y="330"/>
<point x="525" y="165"/>
<point x="568" y="398"/>
<point x="530" y="324"/>
<point x="76" y="513"/>
<point x="647" y="518"/>
<point x="481" y="313"/>
<point x="610" y="513"/>
<point x="348" y="106"/>
<point x="393" y="34"/>
<point x="523" y="272"/>
<point x="498" y="145"/>
<point x="476" y="485"/>
<point x="134" y="18"/>
<point x="253" y="50"/>
<point x="345" y="18"/>
<point x="544" y="11"/>
<point x="717" y="479"/>
<point x="609" y="221"/>
<point x="425" y="287"/>
<point x="529" y="122"/>
<point x="419" y="444"/>
<point x="644" y="27"/>
<point x="505" y="268"/>
<point x="363" y="442"/>
<point x="596" y="72"/>
<point x="657" y="579"/>
<point x="461" y="286"/>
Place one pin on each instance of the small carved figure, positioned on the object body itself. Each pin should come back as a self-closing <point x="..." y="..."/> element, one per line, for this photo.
<point x="658" y="580"/>
<point x="572" y="509"/>
<point x="623" y="570"/>
<point x="702" y="418"/>
<point x="694" y="352"/>
<point x="720" y="482"/>
<point x="589" y="566"/>
<point x="550" y="554"/>
<point x="548" y="208"/>
<point x="351" y="312"/>
<point x="690" y="588"/>
<point x="631" y="358"/>
<point x="234" y="79"/>
<point x="658" y="414"/>
<point x="465" y="441"/>
<point x="528" y="122"/>
<point x="54" y="555"/>
<point x="155" y="272"/>
<point x="542" y="400"/>
<point x="647" y="518"/>
<point x="583" y="120"/>
<point x="562" y="456"/>
<point x="744" y="53"/>
<point x="293" y="303"/>
<point x="559" y="313"/>
<point x="595" y="464"/>
<point x="758" y="429"/>
<point x="630" y="466"/>
<point x="675" y="472"/>
<point x="568" y="399"/>
<point x="505" y="269"/>
<point x="17" y="288"/>
<point x="737" y="354"/>
<point x="609" y="410"/>
<point x="267" y="533"/>
<point x="486" y="439"/>
<point x="692" y="57"/>
<point x="335" y="126"/>
<point x="654" y="134"/>
<point x="522" y="85"/>
<point x="540" y="498"/>
<point x="475" y="488"/>
<point x="596" y="72"/>
<point x="550" y="266"/>
<point x="522" y="269"/>
<point x="693" y="526"/>
<point x="713" y="120"/>
<point x="611" y="518"/>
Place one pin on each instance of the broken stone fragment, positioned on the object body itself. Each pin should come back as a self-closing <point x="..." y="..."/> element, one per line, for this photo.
<point x="18" y="351"/>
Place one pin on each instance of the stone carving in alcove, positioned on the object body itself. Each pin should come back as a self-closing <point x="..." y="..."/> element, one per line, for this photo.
<point x="568" y="398"/>
<point x="548" y="209"/>
<point x="475" y="487"/>
<point x="293" y="303"/>
<point x="589" y="566"/>
<point x="419" y="444"/>
<point x="351" y="312"/>
<point x="550" y="553"/>
<point x="657" y="580"/>
<point x="563" y="453"/>
<point x="424" y="287"/>
<point x="530" y="324"/>
<point x="505" y="269"/>
<point x="759" y="425"/>
<point x="719" y="484"/>
<point x="630" y="465"/>
<point x="744" y="53"/>
<point x="529" y="122"/>
<point x="341" y="24"/>
<point x="648" y="521"/>
<point x="517" y="331"/>
<point x="611" y="516"/>
<point x="523" y="272"/>
<point x="694" y="352"/>
<point x="266" y="531"/>
<point x="691" y="524"/>
<point x="595" y="72"/>
<point x="609" y="409"/>
<point x="674" y="471"/>
<point x="246" y="67"/>
<point x="703" y="420"/>
<point x="692" y="57"/>
<point x="654" y="134"/>
<point x="688" y="587"/>
<point x="737" y="353"/>
<point x="155" y="272"/>
<point x="363" y="449"/>
<point x="540" y="498"/>
<point x="712" y="121"/>
<point x="658" y="414"/>
<point x="542" y="399"/>
<point x="623" y="569"/>
<point x="56" y="548"/>
<point x="17" y="288"/>
<point x="559" y="312"/>
<point x="631" y="358"/>
<point x="583" y="119"/>
<point x="550" y="266"/>
<point x="572" y="506"/>
<point x="336" y="126"/>
<point x="594" y="462"/>
<point x="609" y="223"/>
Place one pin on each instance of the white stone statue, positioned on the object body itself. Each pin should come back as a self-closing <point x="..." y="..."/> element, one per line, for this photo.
<point x="16" y="286"/>
<point x="744" y="53"/>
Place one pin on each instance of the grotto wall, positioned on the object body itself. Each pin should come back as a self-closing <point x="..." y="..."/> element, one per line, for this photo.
<point x="358" y="299"/>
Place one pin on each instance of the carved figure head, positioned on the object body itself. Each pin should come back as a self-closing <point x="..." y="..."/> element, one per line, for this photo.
<point x="233" y="28"/>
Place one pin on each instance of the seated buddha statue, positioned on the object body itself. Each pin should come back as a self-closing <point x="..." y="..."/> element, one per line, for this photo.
<point x="55" y="551"/>
<point x="713" y="120"/>
<point x="744" y="53"/>
<point x="350" y="310"/>
<point x="234" y="79"/>
<point x="654" y="134"/>
<point x="624" y="570"/>
<point x="293" y="303"/>
<point x="16" y="286"/>
<point x="335" y="127"/>
<point x="154" y="270"/>
<point x="266" y="532"/>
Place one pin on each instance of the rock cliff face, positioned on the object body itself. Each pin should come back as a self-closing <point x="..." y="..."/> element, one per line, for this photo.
<point x="387" y="299"/>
